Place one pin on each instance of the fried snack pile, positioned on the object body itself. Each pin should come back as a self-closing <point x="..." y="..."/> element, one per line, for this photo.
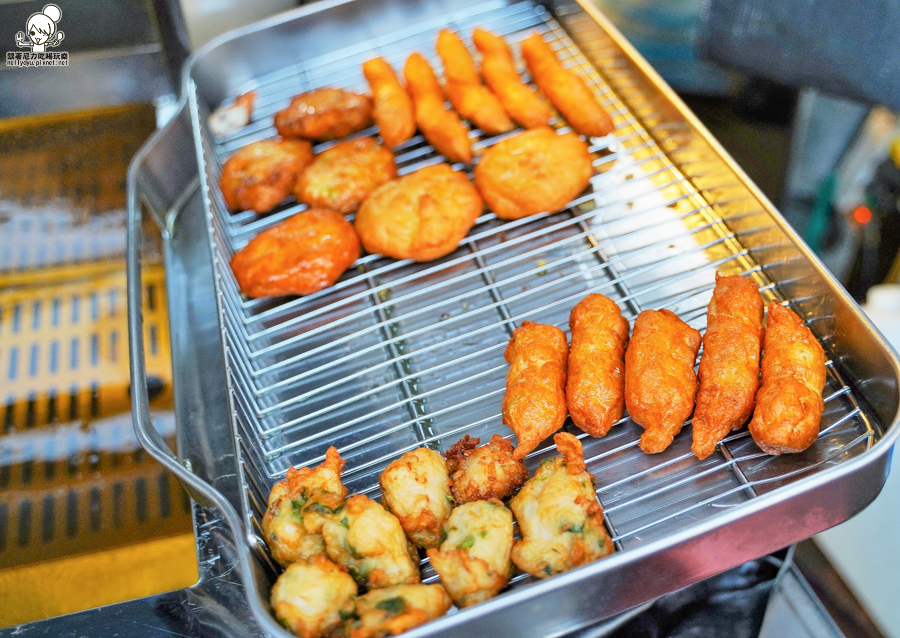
<point x="393" y="610"/>
<point x="486" y="472"/>
<point x="393" y="110"/>
<point x="416" y="489"/>
<point x="260" y="175"/>
<point x="595" y="389"/>
<point x="729" y="367"/>
<point x="660" y="383"/>
<point x="313" y="598"/>
<point x="789" y="403"/>
<point x="324" y="114"/>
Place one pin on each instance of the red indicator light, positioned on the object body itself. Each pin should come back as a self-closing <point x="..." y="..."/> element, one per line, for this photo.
<point x="862" y="215"/>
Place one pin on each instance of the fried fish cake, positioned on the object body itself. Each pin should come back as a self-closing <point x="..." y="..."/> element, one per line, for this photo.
<point x="536" y="171"/>
<point x="312" y="598"/>
<point x="416" y="489"/>
<point x="393" y="107"/>
<point x="486" y="472"/>
<point x="260" y="175"/>
<point x="565" y="89"/>
<point x="729" y="367"/>
<point x="394" y="610"/>
<point x="324" y="114"/>
<point x="499" y="72"/>
<point x="420" y="216"/>
<point x="789" y="403"/>
<point x="441" y="127"/>
<point x="660" y="382"/>
<point x="341" y="177"/>
<point x="304" y="253"/>
<point x="534" y="404"/>
<point x="595" y="389"/>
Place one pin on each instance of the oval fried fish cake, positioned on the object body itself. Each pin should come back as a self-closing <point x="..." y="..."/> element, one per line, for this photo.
<point x="393" y="111"/>
<point x="303" y="254"/>
<point x="420" y="216"/>
<point x="390" y="611"/>
<point x="481" y="473"/>
<point x="533" y="172"/>
<point x="260" y="175"/>
<point x="416" y="489"/>
<point x="324" y="114"/>
<point x="341" y="177"/>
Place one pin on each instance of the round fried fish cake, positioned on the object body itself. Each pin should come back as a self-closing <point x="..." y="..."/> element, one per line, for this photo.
<point x="301" y="255"/>
<point x="324" y="114"/>
<point x="533" y="172"/>
<point x="341" y="177"/>
<point x="416" y="489"/>
<point x="421" y="216"/>
<point x="481" y="473"/>
<point x="260" y="175"/>
<point x="312" y="598"/>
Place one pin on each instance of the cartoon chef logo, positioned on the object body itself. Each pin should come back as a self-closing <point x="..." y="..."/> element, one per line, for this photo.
<point x="40" y="33"/>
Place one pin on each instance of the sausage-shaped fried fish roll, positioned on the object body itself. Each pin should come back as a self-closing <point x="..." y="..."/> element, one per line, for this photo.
<point x="595" y="390"/>
<point x="729" y="367"/>
<point x="393" y="610"/>
<point x="474" y="561"/>
<point x="534" y="405"/>
<point x="416" y="489"/>
<point x="442" y="128"/>
<point x="499" y="72"/>
<point x="393" y="110"/>
<point x="481" y="473"/>
<point x="311" y="599"/>
<point x="789" y="403"/>
<point x="565" y="89"/>
<point x="559" y="517"/>
<point x="467" y="94"/>
<point x="660" y="383"/>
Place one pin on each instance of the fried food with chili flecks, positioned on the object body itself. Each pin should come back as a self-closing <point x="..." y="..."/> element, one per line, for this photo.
<point x="393" y="110"/>
<point x="260" y="175"/>
<point x="312" y="598"/>
<point x="416" y="489"/>
<point x="324" y="114"/>
<point x="486" y="472"/>
<point x="394" y="610"/>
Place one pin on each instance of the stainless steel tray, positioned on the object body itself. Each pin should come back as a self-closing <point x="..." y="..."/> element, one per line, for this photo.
<point x="398" y="355"/>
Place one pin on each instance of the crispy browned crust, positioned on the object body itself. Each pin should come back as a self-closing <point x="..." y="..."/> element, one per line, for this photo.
<point x="534" y="404"/>
<point x="486" y="472"/>
<point x="789" y="403"/>
<point x="458" y="452"/>
<point x="324" y="114"/>
<point x="565" y="89"/>
<point x="660" y="383"/>
<point x="595" y="390"/>
<point x="305" y="253"/>
<point x="729" y="367"/>
<point x="393" y="111"/>
<point x="537" y="171"/>
<point x="260" y="175"/>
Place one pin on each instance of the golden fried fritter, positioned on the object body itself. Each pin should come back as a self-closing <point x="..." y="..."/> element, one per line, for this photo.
<point x="416" y="489"/>
<point x="481" y="473"/>
<point x="393" y="110"/>
<point x="420" y="216"/>
<point x="789" y="403"/>
<point x="565" y="89"/>
<point x="260" y="175"/>
<point x="312" y="598"/>
<point x="369" y="541"/>
<point x="467" y="94"/>
<point x="729" y="367"/>
<point x="341" y="177"/>
<point x="441" y="127"/>
<point x="559" y="517"/>
<point x="660" y="382"/>
<point x="499" y="72"/>
<point x="226" y="120"/>
<point x="298" y="508"/>
<point x="474" y="561"/>
<point x="536" y="171"/>
<point x="595" y="389"/>
<point x="324" y="114"/>
<point x="534" y="404"/>
<point x="394" y="610"/>
<point x="305" y="253"/>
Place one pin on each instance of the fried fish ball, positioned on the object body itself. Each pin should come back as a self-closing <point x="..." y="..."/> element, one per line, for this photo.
<point x="421" y="216"/>
<point x="393" y="610"/>
<point x="565" y="89"/>
<point x="595" y="389"/>
<point x="341" y="177"/>
<point x="499" y="72"/>
<point x="474" y="561"/>
<point x="534" y="404"/>
<point x="486" y="472"/>
<point x="559" y="517"/>
<point x="729" y="367"/>
<point x="260" y="175"/>
<point x="369" y="541"/>
<point x="416" y="489"/>
<point x="467" y="94"/>
<point x="324" y="114"/>
<point x="393" y="110"/>
<point x="298" y="508"/>
<point x="305" y="253"/>
<point x="660" y="383"/>
<point x="789" y="403"/>
<point x="441" y="127"/>
<point x="536" y="171"/>
<point x="312" y="598"/>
